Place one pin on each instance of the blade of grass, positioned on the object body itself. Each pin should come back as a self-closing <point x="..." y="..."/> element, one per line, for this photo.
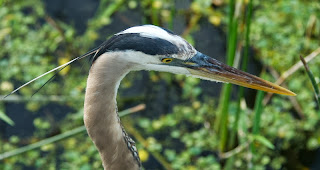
<point x="62" y="136"/>
<point x="104" y="12"/>
<point x="244" y="68"/>
<point x="312" y="79"/>
<point x="257" y="117"/>
<point x="154" y="14"/>
<point x="226" y="90"/>
<point x="43" y="142"/>
<point x="172" y="15"/>
<point x="230" y="21"/>
<point x="6" y="119"/>
<point x="223" y="130"/>
<point x="262" y="140"/>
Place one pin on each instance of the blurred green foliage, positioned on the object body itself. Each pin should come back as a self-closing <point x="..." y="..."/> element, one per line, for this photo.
<point x="32" y="43"/>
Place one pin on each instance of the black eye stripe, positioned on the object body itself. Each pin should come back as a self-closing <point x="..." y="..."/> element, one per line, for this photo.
<point x="136" y="42"/>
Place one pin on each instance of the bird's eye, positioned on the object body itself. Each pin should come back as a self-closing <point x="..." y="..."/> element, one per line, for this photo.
<point x="166" y="60"/>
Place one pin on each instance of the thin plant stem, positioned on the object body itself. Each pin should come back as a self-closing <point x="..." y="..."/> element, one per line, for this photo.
<point x="226" y="90"/>
<point x="62" y="136"/>
<point x="257" y="117"/>
<point x="43" y="142"/>
<point x="230" y="19"/>
<point x="236" y="121"/>
<point x="6" y="118"/>
<point x="172" y="15"/>
<point x="154" y="14"/>
<point x="223" y="133"/>
<point x="312" y="79"/>
<point x="244" y="68"/>
<point x="233" y="152"/>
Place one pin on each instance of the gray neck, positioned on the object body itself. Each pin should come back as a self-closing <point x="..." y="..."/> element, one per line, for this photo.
<point x="101" y="119"/>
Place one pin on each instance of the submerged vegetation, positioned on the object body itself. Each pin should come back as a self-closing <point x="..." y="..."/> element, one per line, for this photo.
<point x="185" y="125"/>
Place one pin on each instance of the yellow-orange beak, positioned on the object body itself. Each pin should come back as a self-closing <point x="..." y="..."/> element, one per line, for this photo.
<point x="208" y="68"/>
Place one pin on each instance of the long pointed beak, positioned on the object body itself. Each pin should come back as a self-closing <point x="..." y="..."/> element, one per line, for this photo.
<point x="208" y="68"/>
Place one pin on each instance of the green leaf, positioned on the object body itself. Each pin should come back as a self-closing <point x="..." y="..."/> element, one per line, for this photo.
<point x="312" y="79"/>
<point x="6" y="119"/>
<point x="264" y="141"/>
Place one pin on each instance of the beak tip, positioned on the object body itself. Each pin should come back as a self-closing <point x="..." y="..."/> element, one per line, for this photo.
<point x="284" y="91"/>
<point x="290" y="93"/>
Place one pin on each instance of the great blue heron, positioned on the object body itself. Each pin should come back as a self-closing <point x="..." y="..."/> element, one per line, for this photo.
<point x="144" y="47"/>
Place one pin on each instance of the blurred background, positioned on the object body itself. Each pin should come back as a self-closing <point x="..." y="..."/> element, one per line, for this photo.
<point x="185" y="123"/>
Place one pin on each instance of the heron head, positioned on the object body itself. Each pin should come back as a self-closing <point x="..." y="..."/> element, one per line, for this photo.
<point x="150" y="47"/>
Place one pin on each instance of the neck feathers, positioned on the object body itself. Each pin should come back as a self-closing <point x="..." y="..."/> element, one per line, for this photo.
<point x="100" y="113"/>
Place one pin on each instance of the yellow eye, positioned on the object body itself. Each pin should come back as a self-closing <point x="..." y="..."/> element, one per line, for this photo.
<point x="166" y="60"/>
